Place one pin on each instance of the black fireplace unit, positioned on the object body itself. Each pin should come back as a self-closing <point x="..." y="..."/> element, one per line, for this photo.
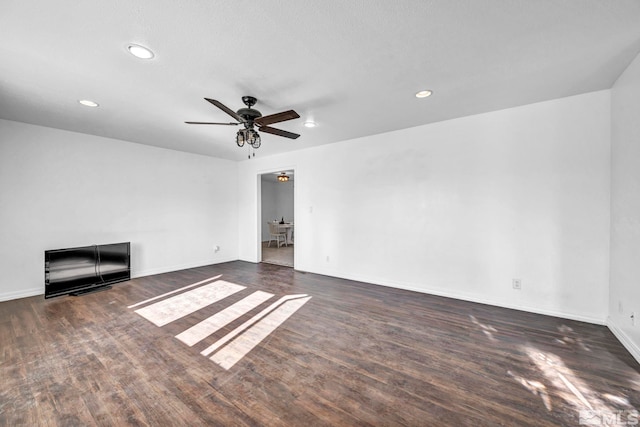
<point x="85" y="269"/>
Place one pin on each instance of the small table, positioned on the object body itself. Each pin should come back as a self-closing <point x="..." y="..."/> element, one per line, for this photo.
<point x="288" y="227"/>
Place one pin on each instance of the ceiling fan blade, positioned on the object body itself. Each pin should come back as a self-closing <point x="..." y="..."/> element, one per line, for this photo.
<point x="279" y="132"/>
<point x="226" y="109"/>
<point x="276" y="118"/>
<point x="211" y="123"/>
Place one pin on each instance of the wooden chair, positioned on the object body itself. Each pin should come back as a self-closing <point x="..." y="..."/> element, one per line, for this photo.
<point x="275" y="233"/>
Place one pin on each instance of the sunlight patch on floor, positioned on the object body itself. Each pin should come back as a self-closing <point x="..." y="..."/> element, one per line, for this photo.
<point x="558" y="380"/>
<point x="231" y="335"/>
<point x="210" y="279"/>
<point x="535" y="387"/>
<point x="568" y="339"/>
<point x="488" y="330"/>
<point x="239" y="347"/>
<point x="178" y="306"/>
<point x="572" y="389"/>
<point x="200" y="331"/>
<point x="231" y="348"/>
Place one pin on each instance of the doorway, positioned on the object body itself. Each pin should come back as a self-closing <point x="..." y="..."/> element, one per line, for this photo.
<point x="277" y="217"/>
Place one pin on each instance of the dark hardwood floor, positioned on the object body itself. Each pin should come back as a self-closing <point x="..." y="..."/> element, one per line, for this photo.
<point x="355" y="354"/>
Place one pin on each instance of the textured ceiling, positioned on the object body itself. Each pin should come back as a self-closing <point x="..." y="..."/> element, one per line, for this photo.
<point x="353" y="66"/>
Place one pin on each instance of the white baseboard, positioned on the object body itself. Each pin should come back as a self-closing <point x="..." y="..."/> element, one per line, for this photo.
<point x="470" y="298"/>
<point x="172" y="268"/>
<point x="624" y="339"/>
<point x="24" y="293"/>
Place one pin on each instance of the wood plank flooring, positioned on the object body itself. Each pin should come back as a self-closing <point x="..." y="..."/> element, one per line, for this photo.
<point x="282" y="255"/>
<point x="355" y="354"/>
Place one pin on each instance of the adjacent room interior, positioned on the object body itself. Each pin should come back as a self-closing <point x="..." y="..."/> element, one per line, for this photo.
<point x="398" y="213"/>
<point x="277" y="213"/>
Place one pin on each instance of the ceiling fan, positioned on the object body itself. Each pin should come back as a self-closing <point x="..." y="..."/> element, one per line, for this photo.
<point x="251" y="119"/>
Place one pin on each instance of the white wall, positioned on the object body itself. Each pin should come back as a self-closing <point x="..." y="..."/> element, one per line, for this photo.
<point x="269" y="206"/>
<point x="625" y="208"/>
<point x="285" y="200"/>
<point x="62" y="189"/>
<point x="461" y="207"/>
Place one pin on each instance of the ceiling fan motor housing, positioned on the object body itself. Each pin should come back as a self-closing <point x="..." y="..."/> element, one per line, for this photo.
<point x="249" y="114"/>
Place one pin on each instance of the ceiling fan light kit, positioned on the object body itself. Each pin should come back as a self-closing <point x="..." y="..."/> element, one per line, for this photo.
<point x="252" y="119"/>
<point x="249" y="136"/>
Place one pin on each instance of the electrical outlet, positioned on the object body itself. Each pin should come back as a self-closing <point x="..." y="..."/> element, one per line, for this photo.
<point x="216" y="249"/>
<point x="633" y="319"/>
<point x="517" y="284"/>
<point x="327" y="258"/>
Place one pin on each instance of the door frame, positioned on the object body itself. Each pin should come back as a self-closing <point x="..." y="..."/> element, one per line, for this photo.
<point x="258" y="237"/>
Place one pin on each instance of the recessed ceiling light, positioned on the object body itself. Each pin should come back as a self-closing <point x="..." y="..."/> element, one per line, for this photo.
<point x="310" y="124"/>
<point x="88" y="103"/>
<point x="140" y="51"/>
<point x="423" y="94"/>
